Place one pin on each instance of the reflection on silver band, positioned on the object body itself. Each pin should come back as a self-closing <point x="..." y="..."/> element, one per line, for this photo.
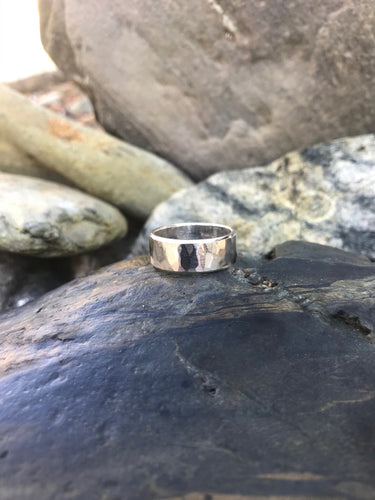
<point x="195" y="247"/>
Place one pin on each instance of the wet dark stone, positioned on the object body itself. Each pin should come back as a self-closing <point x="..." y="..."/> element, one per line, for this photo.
<point x="135" y="384"/>
<point x="23" y="279"/>
<point x="305" y="251"/>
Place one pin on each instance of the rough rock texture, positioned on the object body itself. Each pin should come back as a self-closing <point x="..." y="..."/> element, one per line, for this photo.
<point x="257" y="382"/>
<point x="126" y="176"/>
<point x="220" y="84"/>
<point x="324" y="194"/>
<point x="13" y="161"/>
<point x="23" y="279"/>
<point x="86" y="263"/>
<point x="46" y="219"/>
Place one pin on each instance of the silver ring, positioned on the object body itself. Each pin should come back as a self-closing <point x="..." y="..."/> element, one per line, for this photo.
<point x="194" y="247"/>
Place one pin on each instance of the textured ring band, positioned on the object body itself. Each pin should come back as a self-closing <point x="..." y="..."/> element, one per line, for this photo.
<point x="195" y="247"/>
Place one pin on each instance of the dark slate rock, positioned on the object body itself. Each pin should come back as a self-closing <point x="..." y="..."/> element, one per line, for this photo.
<point x="134" y="384"/>
<point x="303" y="250"/>
<point x="23" y="279"/>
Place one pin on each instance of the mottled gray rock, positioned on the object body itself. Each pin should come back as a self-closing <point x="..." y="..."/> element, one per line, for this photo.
<point x="324" y="194"/>
<point x="220" y="84"/>
<point x="42" y="218"/>
<point x="134" y="384"/>
<point x="23" y="279"/>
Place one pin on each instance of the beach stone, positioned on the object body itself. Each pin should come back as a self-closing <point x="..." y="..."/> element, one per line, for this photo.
<point x="86" y="263"/>
<point x="324" y="194"/>
<point x="45" y="219"/>
<point x="23" y="279"/>
<point x="256" y="382"/>
<point x="128" y="177"/>
<point x="219" y="84"/>
<point x="13" y="161"/>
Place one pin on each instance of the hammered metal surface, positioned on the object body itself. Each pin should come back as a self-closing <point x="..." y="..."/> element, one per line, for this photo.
<point x="193" y="257"/>
<point x="194" y="247"/>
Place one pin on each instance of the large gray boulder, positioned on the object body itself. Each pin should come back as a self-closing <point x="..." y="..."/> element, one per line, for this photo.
<point x="324" y="194"/>
<point x="108" y="168"/>
<point x="214" y="85"/>
<point x="258" y="382"/>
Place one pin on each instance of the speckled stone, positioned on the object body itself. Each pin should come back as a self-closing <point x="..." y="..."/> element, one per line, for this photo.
<point x="324" y="194"/>
<point x="258" y="382"/>
<point x="45" y="219"/>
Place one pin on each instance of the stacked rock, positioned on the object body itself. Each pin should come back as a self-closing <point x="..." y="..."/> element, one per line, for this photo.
<point x="254" y="382"/>
<point x="41" y="216"/>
